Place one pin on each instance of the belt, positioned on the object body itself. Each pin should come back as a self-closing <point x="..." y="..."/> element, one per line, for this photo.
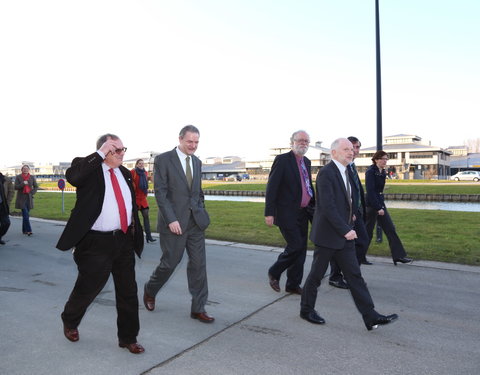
<point x="109" y="233"/>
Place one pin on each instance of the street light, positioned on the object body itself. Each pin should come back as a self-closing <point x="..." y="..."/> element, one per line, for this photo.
<point x="379" y="78"/>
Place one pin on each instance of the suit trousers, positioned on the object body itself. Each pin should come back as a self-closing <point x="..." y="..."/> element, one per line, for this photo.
<point x="347" y="261"/>
<point x="4" y="220"/>
<point x="146" y="223"/>
<point x="97" y="256"/>
<point x="173" y="247"/>
<point x="292" y="258"/>
<point x="396" y="247"/>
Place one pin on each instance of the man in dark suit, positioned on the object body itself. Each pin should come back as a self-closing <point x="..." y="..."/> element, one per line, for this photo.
<point x="104" y="231"/>
<point x="361" y="242"/>
<point x="334" y="237"/>
<point x="182" y="220"/>
<point x="289" y="204"/>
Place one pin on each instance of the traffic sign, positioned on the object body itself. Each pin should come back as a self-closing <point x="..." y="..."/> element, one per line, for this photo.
<point x="61" y="184"/>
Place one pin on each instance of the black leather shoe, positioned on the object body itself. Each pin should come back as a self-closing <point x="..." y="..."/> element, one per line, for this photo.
<point x="2" y="242"/>
<point x="274" y="283"/>
<point x="151" y="240"/>
<point x="338" y="284"/>
<point x="366" y="262"/>
<point x="297" y="290"/>
<point x="312" y="317"/>
<point x="402" y="260"/>
<point x="380" y="320"/>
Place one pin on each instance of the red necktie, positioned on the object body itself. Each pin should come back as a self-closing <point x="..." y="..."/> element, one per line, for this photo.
<point x="121" y="203"/>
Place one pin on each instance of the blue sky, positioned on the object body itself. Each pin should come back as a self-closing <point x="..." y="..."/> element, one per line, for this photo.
<point x="247" y="73"/>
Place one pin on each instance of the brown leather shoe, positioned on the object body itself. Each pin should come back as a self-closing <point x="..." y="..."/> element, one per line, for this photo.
<point x="148" y="301"/>
<point x="297" y="290"/>
<point x="71" y="333"/>
<point x="134" y="348"/>
<point x="274" y="283"/>
<point x="203" y="317"/>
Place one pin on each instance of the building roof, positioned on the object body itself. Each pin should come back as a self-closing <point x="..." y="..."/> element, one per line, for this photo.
<point x="399" y="147"/>
<point x="235" y="167"/>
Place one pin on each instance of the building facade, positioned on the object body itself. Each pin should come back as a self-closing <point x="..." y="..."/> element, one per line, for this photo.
<point x="409" y="158"/>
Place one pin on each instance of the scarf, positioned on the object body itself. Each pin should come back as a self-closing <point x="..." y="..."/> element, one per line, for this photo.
<point x="142" y="180"/>
<point x="26" y="188"/>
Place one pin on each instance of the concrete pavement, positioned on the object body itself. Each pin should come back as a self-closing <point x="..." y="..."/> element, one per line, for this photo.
<point x="256" y="331"/>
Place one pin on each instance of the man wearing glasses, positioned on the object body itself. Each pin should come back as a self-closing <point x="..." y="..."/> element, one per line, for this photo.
<point x="104" y="232"/>
<point x="289" y="204"/>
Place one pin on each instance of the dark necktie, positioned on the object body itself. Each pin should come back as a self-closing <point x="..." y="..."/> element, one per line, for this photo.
<point x="305" y="178"/>
<point x="349" y="194"/>
<point x="356" y="180"/>
<point x="188" y="172"/>
<point x="120" y="202"/>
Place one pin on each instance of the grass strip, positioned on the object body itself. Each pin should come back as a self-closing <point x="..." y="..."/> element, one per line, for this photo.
<point x="445" y="236"/>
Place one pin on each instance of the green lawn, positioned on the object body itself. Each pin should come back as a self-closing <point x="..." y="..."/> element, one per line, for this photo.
<point x="392" y="187"/>
<point x="430" y="235"/>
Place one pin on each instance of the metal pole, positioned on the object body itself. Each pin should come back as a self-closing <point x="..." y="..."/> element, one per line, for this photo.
<point x="379" y="80"/>
<point x="379" y="95"/>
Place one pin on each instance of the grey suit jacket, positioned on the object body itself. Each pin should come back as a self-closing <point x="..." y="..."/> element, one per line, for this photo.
<point x="174" y="198"/>
<point x="332" y="219"/>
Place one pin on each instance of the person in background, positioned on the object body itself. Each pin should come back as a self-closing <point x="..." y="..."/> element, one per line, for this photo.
<point x="140" y="183"/>
<point x="289" y="204"/>
<point x="6" y="196"/>
<point x="377" y="211"/>
<point x="26" y="187"/>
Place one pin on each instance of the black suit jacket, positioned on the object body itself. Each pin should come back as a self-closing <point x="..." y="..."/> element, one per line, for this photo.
<point x="284" y="189"/>
<point x="86" y="174"/>
<point x="332" y="219"/>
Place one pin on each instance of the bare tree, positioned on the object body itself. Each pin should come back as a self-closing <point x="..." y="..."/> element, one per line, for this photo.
<point x="473" y="145"/>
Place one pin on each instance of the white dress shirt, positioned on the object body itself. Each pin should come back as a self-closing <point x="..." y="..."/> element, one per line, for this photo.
<point x="109" y="218"/>
<point x="182" y="158"/>
<point x="342" y="169"/>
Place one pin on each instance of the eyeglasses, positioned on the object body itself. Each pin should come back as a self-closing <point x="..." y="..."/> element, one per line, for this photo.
<point x="383" y="158"/>
<point x="118" y="151"/>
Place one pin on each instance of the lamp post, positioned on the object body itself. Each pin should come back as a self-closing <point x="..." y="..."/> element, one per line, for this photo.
<point x="379" y="95"/>
<point x="379" y="78"/>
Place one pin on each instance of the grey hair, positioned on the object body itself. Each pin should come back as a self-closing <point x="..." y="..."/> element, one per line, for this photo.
<point x="295" y="134"/>
<point x="103" y="138"/>
<point x="336" y="143"/>
<point x="188" y="128"/>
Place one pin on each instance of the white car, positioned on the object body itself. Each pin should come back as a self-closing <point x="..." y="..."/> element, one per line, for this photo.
<point x="466" y="176"/>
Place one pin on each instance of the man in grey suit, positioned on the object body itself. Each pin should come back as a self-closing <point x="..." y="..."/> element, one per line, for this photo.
<point x="334" y="238"/>
<point x="182" y="220"/>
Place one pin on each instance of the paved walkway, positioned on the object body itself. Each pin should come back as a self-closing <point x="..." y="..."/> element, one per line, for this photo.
<point x="257" y="331"/>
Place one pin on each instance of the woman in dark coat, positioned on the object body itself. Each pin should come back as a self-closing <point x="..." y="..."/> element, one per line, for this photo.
<point x="140" y="184"/>
<point x="26" y="186"/>
<point x="376" y="210"/>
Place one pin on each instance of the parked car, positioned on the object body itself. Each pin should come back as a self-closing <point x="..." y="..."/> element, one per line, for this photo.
<point x="466" y="176"/>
